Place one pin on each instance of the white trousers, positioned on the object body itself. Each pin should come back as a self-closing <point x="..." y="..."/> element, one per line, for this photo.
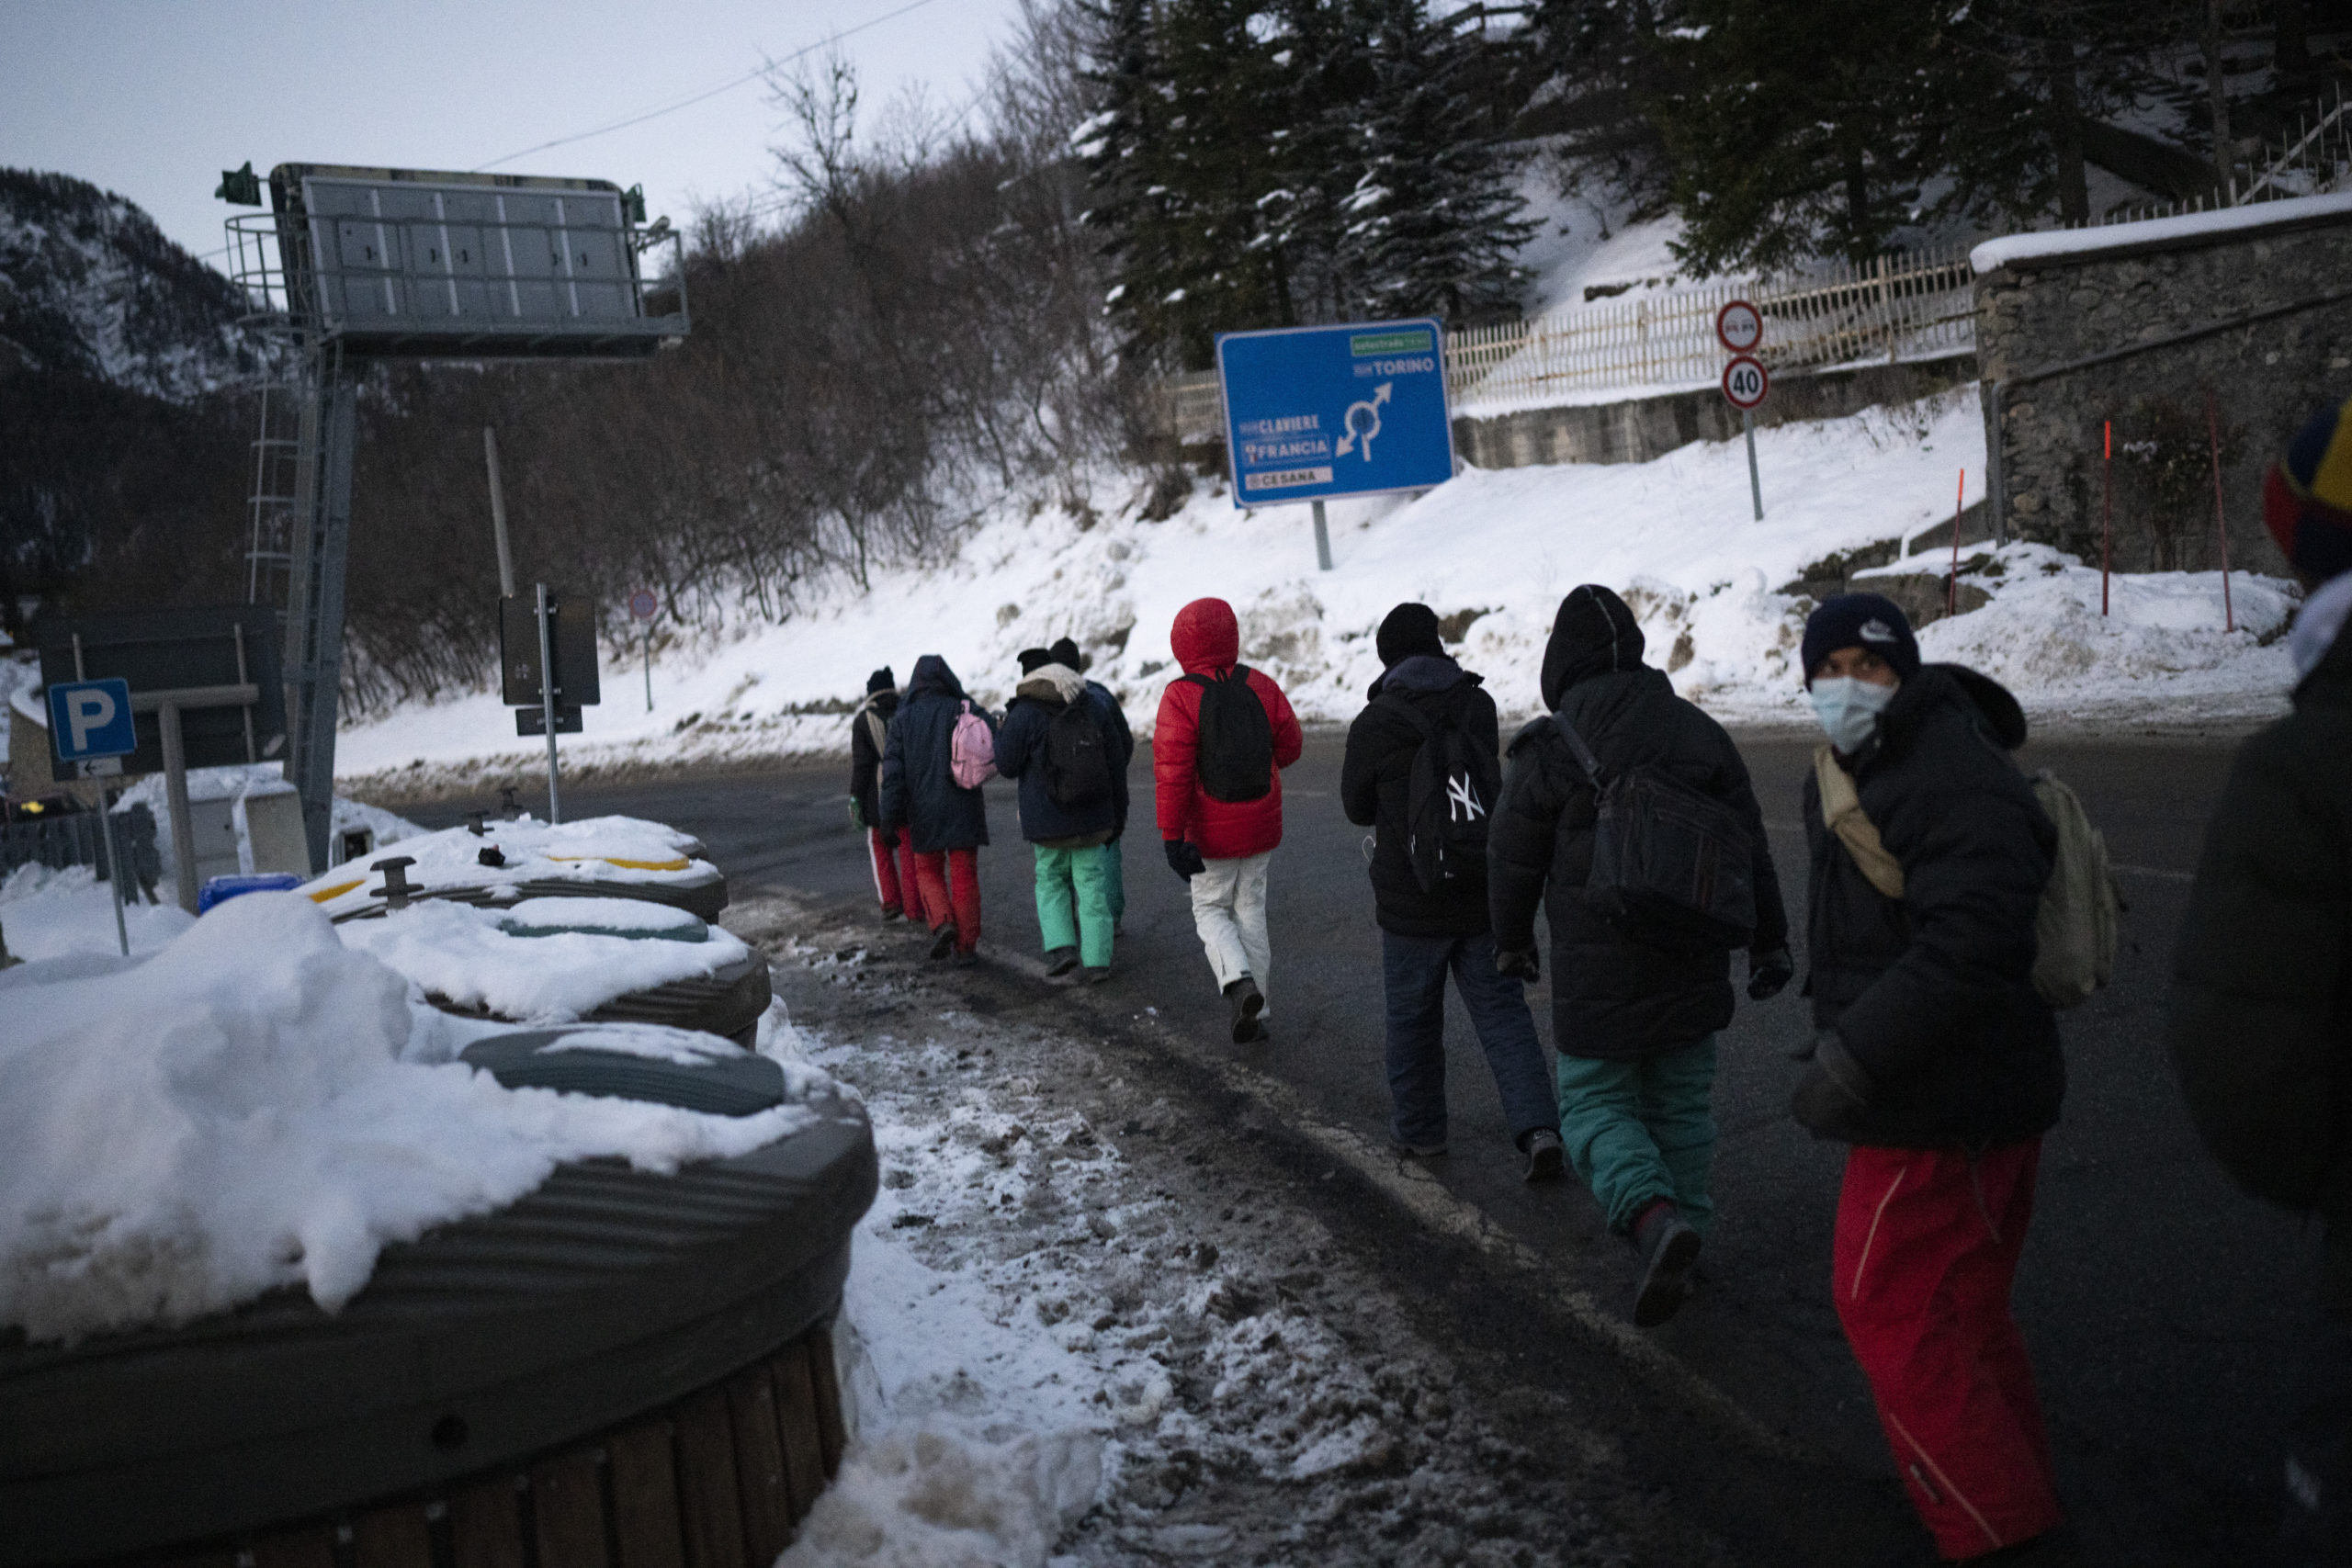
<point x="1229" y="912"/>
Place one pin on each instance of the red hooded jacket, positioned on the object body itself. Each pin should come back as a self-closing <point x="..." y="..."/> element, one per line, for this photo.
<point x="1208" y="641"/>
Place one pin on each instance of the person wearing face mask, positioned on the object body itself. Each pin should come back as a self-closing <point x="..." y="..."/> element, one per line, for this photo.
<point x="1933" y="1057"/>
<point x="2260" y="1024"/>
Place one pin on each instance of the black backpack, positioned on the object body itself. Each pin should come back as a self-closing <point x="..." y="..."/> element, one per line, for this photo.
<point x="1078" y="764"/>
<point x="1672" y="868"/>
<point x="1449" y="792"/>
<point x="1234" y="751"/>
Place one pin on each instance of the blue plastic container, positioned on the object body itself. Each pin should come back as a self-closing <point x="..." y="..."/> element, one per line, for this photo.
<point x="220" y="890"/>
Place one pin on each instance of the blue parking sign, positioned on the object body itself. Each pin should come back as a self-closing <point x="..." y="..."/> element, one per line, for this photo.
<point x="1313" y="413"/>
<point x="89" y="721"/>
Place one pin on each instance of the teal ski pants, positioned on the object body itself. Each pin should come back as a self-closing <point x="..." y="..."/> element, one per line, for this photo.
<point x="1643" y="1130"/>
<point x="1079" y="879"/>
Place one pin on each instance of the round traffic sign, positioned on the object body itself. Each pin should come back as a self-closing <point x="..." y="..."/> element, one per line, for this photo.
<point x="1744" y="382"/>
<point x="1739" y="326"/>
<point x="643" y="604"/>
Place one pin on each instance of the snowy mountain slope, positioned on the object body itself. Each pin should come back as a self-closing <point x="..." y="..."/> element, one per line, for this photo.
<point x="89" y="285"/>
<point x="1494" y="550"/>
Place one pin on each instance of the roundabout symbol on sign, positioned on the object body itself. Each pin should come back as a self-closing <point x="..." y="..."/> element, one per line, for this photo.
<point x="1739" y="327"/>
<point x="1745" y="383"/>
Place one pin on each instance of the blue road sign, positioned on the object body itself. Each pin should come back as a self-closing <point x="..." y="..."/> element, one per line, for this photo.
<point x="1311" y="413"/>
<point x="90" y="719"/>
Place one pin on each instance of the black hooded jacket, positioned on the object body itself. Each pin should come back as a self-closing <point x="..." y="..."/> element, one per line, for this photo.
<point x="865" y="755"/>
<point x="919" y="791"/>
<point x="2261" y="1018"/>
<point x="1611" y="997"/>
<point x="1933" y="992"/>
<point x="1376" y="776"/>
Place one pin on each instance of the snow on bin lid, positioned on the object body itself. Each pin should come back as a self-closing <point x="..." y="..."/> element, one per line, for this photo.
<point x="635" y="1061"/>
<point x="599" y="848"/>
<point x="469" y="958"/>
<point x="2158" y="231"/>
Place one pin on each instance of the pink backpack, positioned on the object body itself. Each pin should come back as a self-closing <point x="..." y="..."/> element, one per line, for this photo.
<point x="971" y="752"/>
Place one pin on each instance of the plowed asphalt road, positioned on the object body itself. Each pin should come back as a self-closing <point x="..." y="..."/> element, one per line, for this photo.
<point x="2162" y="1307"/>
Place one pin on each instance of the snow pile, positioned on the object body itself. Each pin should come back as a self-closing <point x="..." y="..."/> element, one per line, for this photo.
<point x="2162" y="638"/>
<point x="592" y="850"/>
<point x="257" y="1105"/>
<point x="2254" y="217"/>
<point x="474" y="958"/>
<point x="49" y="913"/>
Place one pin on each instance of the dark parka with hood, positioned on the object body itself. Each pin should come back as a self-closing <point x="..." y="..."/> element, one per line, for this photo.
<point x="1613" y="998"/>
<point x="1932" y="993"/>
<point x="865" y="750"/>
<point x="1041" y="697"/>
<point x="2261" y="1019"/>
<point x="1376" y="780"/>
<point x="919" y="791"/>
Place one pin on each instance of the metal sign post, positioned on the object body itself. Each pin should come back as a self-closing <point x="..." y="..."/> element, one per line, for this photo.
<point x="1745" y="384"/>
<point x="90" y="732"/>
<point x="546" y="700"/>
<point x="498" y="515"/>
<point x="644" y="607"/>
<point x="1314" y="413"/>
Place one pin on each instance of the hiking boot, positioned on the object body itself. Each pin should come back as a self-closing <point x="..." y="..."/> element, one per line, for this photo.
<point x="1060" y="961"/>
<point x="1546" y="1156"/>
<point x="1417" y="1151"/>
<point x="893" y="913"/>
<point x="965" y="957"/>
<point x="1669" y="1248"/>
<point x="1096" y="975"/>
<point x="942" y="942"/>
<point x="1248" y="1003"/>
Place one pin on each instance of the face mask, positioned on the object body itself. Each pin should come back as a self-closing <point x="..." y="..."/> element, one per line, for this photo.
<point x="1848" y="709"/>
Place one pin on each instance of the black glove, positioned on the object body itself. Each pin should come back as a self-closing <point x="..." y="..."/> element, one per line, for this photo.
<point x="857" y="813"/>
<point x="1767" y="972"/>
<point x="1183" y="859"/>
<point x="1517" y="964"/>
<point x="889" y="837"/>
<point x="1835" y="1091"/>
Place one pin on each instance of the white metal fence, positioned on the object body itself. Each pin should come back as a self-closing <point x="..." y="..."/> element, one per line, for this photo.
<point x="1916" y="306"/>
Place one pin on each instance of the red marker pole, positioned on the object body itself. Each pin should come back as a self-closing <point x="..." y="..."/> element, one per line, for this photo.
<point x="2220" y="523"/>
<point x="2106" y="516"/>
<point x="1952" y="582"/>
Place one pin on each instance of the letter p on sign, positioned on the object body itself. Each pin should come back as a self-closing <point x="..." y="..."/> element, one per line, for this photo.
<point x="91" y="719"/>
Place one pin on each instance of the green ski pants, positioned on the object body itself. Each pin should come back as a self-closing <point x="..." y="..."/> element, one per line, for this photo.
<point x="1079" y="878"/>
<point x="1643" y="1130"/>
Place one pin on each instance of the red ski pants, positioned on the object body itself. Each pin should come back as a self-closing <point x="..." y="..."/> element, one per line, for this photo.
<point x="950" y="884"/>
<point x="890" y="885"/>
<point x="1928" y="1242"/>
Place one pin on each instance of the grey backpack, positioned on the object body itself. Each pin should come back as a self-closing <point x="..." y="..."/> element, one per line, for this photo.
<point x="2075" y="923"/>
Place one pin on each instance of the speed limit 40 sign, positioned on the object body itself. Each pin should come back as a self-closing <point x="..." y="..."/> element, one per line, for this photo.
<point x="1744" y="382"/>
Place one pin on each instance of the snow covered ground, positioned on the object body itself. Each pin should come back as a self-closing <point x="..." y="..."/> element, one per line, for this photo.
<point x="1495" y="551"/>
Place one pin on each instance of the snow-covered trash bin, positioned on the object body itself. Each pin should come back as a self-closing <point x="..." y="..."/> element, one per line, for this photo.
<point x="289" y="1259"/>
<point x="561" y="960"/>
<point x="603" y="857"/>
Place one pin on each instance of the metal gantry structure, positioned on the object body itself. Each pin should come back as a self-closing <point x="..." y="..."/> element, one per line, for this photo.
<point x="349" y="266"/>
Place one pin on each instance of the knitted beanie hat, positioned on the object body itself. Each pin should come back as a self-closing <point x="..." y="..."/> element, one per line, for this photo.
<point x="1030" y="658"/>
<point x="2307" y="498"/>
<point x="880" y="681"/>
<point x="1860" y="620"/>
<point x="1065" y="654"/>
<point x="1407" y="630"/>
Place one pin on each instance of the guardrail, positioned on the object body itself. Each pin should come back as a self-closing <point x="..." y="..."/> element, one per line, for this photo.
<point x="1917" y="305"/>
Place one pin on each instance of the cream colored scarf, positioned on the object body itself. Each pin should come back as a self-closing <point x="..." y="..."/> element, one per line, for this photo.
<point x="1841" y="812"/>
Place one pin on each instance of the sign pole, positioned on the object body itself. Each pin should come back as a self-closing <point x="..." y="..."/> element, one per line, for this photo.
<point x="114" y="871"/>
<point x="498" y="514"/>
<point x="649" y="667"/>
<point x="546" y="700"/>
<point x="1755" y="485"/>
<point x="2106" y="516"/>
<point x="1322" y="541"/>
<point x="176" y="797"/>
<point x="2221" y="519"/>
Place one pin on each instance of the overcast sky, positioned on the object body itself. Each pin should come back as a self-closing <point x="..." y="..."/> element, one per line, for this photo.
<point x="153" y="98"/>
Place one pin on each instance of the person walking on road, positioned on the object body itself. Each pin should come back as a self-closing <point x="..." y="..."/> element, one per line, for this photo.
<point x="944" y="816"/>
<point x="2260" y="1031"/>
<point x="1634" y="1021"/>
<point x="1421" y="772"/>
<point x="1934" y="1057"/>
<point x="1224" y="735"/>
<point x="893" y="858"/>
<point x="1065" y="653"/>
<point x="1061" y="742"/>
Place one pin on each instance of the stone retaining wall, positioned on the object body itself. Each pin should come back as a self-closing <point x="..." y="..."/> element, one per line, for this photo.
<point x="2035" y="312"/>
